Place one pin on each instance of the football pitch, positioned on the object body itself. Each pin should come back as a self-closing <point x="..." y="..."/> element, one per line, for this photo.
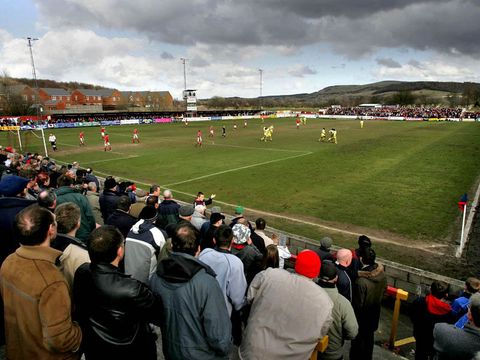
<point x="398" y="182"/>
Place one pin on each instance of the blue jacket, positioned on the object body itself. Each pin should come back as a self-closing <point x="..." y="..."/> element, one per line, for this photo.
<point x="195" y="324"/>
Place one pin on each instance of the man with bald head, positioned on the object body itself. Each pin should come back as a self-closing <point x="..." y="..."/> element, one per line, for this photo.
<point x="167" y="211"/>
<point x="344" y="282"/>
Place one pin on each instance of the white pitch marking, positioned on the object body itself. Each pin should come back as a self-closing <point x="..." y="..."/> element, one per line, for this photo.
<point x="237" y="169"/>
<point x="426" y="248"/>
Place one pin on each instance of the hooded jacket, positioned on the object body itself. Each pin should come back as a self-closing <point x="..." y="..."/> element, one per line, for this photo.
<point x="142" y="246"/>
<point x="426" y="312"/>
<point x="87" y="222"/>
<point x="283" y="324"/>
<point x="195" y="324"/>
<point x="344" y="325"/>
<point x="367" y="297"/>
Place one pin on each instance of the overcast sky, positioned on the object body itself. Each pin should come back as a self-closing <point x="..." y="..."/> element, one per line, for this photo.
<point x="301" y="45"/>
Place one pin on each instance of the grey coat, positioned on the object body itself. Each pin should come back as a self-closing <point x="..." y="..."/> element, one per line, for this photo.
<point x="344" y="326"/>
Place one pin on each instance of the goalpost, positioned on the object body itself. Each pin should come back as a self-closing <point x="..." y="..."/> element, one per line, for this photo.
<point x="21" y="139"/>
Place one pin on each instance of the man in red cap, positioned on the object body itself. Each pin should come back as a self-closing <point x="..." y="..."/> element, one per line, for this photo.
<point x="274" y="333"/>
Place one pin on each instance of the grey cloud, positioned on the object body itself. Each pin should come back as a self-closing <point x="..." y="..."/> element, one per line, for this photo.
<point x="198" y="61"/>
<point x="166" y="56"/>
<point x="341" y="66"/>
<point x="302" y="71"/>
<point x="350" y="27"/>
<point x="415" y="63"/>
<point x="388" y="62"/>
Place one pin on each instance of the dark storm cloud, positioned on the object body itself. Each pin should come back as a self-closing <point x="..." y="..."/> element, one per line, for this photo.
<point x="388" y="62"/>
<point x="350" y="27"/>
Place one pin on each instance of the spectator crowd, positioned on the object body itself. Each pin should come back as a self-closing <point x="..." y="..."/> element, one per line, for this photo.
<point x="416" y="112"/>
<point x="100" y="268"/>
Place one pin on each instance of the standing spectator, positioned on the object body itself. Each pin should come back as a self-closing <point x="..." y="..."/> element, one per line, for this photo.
<point x="195" y="322"/>
<point x="428" y="311"/>
<point x="139" y="204"/>
<point x="121" y="217"/>
<point x="260" y="225"/>
<point x="324" y="250"/>
<point x="90" y="177"/>
<point x="155" y="190"/>
<point x="271" y="258"/>
<point x="200" y="199"/>
<point x="460" y="304"/>
<point x="113" y="309"/>
<point x="452" y="343"/>
<point x="167" y="210"/>
<point x="247" y="252"/>
<point x="68" y="193"/>
<point x="143" y="245"/>
<point x="12" y="201"/>
<point x="47" y="199"/>
<point x="109" y="197"/>
<point x="37" y="302"/>
<point x="364" y="242"/>
<point x="216" y="220"/>
<point x="344" y="326"/>
<point x="369" y="289"/>
<point x="93" y="198"/>
<point x="198" y="217"/>
<point x="74" y="251"/>
<point x="307" y="320"/>
<point x="344" y="282"/>
<point x="230" y="275"/>
<point x="185" y="213"/>
<point x="228" y="267"/>
<point x="239" y="214"/>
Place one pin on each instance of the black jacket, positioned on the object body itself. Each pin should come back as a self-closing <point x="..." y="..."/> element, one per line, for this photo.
<point x="122" y="220"/>
<point x="167" y="213"/>
<point x="108" y="203"/>
<point x="114" y="311"/>
<point x="9" y="208"/>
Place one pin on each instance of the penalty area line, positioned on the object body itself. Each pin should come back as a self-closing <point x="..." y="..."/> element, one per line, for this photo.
<point x="237" y="169"/>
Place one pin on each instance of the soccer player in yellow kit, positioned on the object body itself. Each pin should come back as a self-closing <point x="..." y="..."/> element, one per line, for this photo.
<point x="323" y="135"/>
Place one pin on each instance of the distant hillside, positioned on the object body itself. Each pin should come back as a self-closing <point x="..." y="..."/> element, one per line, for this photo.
<point x="46" y="83"/>
<point x="384" y="92"/>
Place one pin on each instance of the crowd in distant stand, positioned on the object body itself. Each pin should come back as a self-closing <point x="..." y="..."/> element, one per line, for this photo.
<point x="400" y="111"/>
<point x="12" y="121"/>
<point x="97" y="268"/>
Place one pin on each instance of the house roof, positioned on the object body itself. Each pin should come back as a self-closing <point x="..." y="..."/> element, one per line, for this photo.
<point x="94" y="92"/>
<point x="56" y="91"/>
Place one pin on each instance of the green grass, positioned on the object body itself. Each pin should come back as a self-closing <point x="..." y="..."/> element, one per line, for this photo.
<point x="401" y="179"/>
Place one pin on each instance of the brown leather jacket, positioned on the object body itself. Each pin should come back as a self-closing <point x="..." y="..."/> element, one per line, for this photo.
<point x="37" y="306"/>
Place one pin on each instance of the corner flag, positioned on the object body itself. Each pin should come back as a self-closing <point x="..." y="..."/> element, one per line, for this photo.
<point x="463" y="202"/>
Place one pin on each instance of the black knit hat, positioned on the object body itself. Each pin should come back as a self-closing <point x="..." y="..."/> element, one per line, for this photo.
<point x="328" y="271"/>
<point x="364" y="241"/>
